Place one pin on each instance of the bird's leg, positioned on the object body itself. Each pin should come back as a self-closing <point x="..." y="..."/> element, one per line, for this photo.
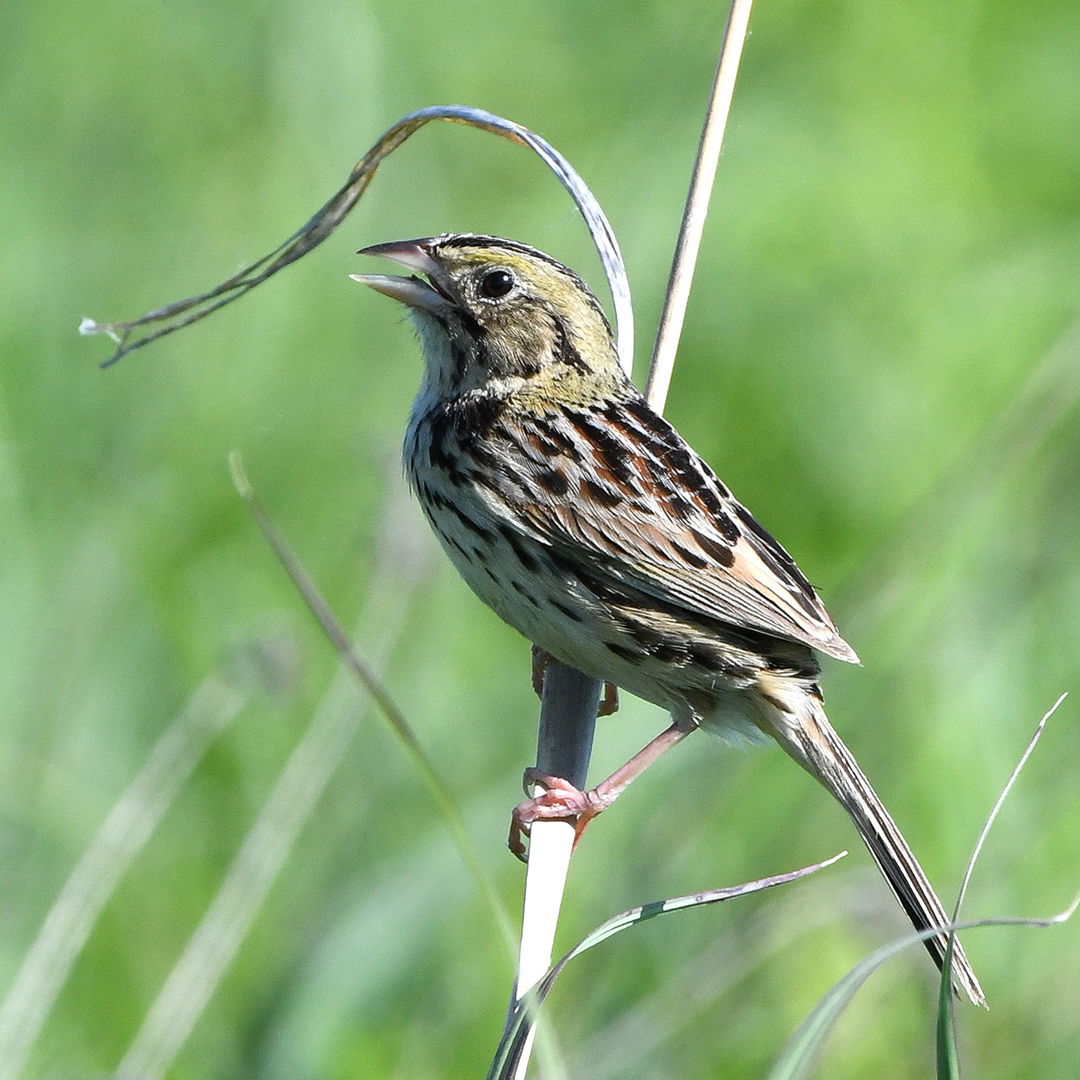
<point x="562" y="800"/>
<point x="609" y="703"/>
<point x="540" y="660"/>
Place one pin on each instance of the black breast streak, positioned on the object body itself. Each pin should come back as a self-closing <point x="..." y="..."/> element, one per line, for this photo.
<point x="623" y="652"/>
<point x="476" y="415"/>
<point x="460" y="430"/>
<point x="451" y="541"/>
<point x="441" y="455"/>
<point x="478" y="530"/>
<point x="515" y="542"/>
<point x="522" y="591"/>
<point x="430" y="498"/>
<point x="568" y="611"/>
<point x="464" y="418"/>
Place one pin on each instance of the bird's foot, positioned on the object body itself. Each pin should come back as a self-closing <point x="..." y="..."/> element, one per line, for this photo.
<point x="559" y="801"/>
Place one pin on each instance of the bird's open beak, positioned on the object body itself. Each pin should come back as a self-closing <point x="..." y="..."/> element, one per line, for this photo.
<point x="414" y="255"/>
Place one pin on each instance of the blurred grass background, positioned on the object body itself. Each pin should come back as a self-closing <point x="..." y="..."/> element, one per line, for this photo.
<point x="881" y="357"/>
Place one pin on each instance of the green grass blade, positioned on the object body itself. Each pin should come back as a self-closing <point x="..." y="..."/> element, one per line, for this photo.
<point x="387" y="708"/>
<point x="804" y="1046"/>
<point x="524" y="1017"/>
<point x="120" y="838"/>
<point x="948" y="1065"/>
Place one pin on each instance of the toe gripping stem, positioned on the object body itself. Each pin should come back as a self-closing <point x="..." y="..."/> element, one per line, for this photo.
<point x="561" y="799"/>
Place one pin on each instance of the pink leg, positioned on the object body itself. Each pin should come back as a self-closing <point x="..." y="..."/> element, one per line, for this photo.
<point x="563" y="800"/>
<point x="540" y="660"/>
<point x="609" y="703"/>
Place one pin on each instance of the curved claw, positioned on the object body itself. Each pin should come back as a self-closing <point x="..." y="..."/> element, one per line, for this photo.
<point x="562" y="800"/>
<point x="559" y="801"/>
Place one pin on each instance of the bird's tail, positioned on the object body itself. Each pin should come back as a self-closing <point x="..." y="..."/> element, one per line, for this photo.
<point x="817" y="748"/>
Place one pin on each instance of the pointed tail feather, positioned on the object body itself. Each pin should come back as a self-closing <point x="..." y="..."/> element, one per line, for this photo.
<point x="815" y="745"/>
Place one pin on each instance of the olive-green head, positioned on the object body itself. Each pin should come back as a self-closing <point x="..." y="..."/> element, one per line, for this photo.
<point x="496" y="310"/>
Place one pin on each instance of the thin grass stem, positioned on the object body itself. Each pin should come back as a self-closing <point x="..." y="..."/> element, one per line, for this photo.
<point x="697" y="206"/>
<point x="213" y="946"/>
<point x="367" y="678"/>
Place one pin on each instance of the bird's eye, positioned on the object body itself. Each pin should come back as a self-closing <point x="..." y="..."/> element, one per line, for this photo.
<point x="496" y="283"/>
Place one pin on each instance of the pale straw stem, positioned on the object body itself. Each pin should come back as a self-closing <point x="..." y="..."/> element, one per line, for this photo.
<point x="697" y="206"/>
<point x="551" y="841"/>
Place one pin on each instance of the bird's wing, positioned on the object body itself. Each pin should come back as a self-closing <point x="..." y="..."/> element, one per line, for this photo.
<point x="623" y="494"/>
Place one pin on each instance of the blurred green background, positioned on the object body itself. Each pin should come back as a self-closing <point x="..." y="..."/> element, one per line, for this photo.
<point x="881" y="357"/>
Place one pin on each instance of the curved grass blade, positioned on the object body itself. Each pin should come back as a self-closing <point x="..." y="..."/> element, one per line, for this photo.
<point x="805" y="1045"/>
<point x="523" y="1019"/>
<point x="181" y="313"/>
<point x="948" y="1065"/>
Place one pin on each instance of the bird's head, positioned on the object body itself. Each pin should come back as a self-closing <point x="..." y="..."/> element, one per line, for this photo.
<point x="498" y="315"/>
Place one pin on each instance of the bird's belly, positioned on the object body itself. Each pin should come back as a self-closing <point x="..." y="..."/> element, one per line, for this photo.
<point x="532" y="597"/>
<point x="647" y="653"/>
